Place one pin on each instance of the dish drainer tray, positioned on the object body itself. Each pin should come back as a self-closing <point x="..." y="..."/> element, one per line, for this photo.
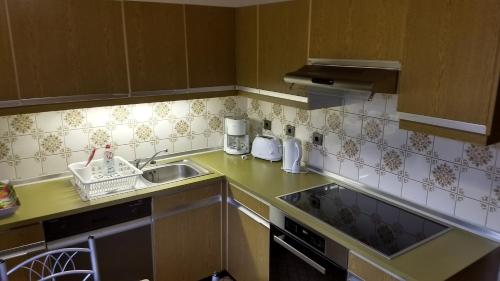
<point x="99" y="184"/>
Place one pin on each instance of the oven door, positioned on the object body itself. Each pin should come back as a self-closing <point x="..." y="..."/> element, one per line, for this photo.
<point x="293" y="260"/>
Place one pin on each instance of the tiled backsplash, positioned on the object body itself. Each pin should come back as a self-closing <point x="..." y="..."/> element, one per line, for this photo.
<point x="362" y="141"/>
<point x="38" y="144"/>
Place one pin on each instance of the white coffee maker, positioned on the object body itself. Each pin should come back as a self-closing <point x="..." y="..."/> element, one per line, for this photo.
<point x="236" y="139"/>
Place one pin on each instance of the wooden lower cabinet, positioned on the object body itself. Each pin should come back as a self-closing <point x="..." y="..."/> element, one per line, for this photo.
<point x="367" y="271"/>
<point x="247" y="247"/>
<point x="187" y="237"/>
<point x="18" y="237"/>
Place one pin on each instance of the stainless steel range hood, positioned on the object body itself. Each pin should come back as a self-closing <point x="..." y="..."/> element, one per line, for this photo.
<point x="326" y="82"/>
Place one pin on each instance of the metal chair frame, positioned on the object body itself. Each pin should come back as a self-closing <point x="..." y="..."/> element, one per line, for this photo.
<point x="56" y="263"/>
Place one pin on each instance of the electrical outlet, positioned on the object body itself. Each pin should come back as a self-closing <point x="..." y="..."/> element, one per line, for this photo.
<point x="317" y="139"/>
<point x="290" y="130"/>
<point x="267" y="124"/>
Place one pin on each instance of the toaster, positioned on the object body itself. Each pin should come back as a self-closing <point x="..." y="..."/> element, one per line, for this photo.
<point x="267" y="148"/>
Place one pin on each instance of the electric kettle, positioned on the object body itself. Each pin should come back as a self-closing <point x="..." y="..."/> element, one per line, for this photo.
<point x="292" y="154"/>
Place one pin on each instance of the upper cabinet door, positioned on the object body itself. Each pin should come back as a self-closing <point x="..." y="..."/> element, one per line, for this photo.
<point x="210" y="46"/>
<point x="156" y="46"/>
<point x="358" y="29"/>
<point x="283" y="32"/>
<point x="69" y="47"/>
<point x="8" y="90"/>
<point x="246" y="46"/>
<point x="450" y="68"/>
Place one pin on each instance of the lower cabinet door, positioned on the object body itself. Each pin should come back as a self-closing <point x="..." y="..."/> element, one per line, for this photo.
<point x="187" y="245"/>
<point x="248" y="246"/>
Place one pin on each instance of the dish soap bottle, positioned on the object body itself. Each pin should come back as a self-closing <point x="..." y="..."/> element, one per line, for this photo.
<point x="109" y="161"/>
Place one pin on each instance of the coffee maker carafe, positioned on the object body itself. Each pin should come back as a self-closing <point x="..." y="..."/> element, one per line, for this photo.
<point x="236" y="139"/>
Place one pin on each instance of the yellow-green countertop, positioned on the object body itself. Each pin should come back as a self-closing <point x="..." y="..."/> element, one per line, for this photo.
<point x="437" y="259"/>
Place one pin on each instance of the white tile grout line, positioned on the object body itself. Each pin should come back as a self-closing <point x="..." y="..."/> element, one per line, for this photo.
<point x="13" y="53"/>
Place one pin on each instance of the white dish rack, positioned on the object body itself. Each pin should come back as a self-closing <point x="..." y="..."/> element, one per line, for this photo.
<point x="100" y="185"/>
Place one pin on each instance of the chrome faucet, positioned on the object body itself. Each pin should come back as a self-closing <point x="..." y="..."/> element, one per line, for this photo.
<point x="138" y="161"/>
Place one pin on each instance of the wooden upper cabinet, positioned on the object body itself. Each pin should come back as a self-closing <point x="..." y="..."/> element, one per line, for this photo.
<point x="156" y="46"/>
<point x="283" y="31"/>
<point x="358" y="29"/>
<point x="69" y="47"/>
<point x="451" y="66"/>
<point x="210" y="45"/>
<point x="8" y="90"/>
<point x="246" y="46"/>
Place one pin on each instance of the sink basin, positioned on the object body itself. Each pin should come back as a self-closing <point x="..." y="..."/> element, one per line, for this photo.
<point x="173" y="172"/>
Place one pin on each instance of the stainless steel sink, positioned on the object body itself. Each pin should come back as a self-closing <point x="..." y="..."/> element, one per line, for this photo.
<point x="175" y="171"/>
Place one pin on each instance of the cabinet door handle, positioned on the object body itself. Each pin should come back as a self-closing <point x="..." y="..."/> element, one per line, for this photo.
<point x="23" y="250"/>
<point x="299" y="254"/>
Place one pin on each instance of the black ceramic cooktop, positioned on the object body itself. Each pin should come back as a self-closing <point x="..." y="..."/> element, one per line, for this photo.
<point x="384" y="227"/>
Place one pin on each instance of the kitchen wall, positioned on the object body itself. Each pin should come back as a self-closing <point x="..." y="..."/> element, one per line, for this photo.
<point x="362" y="141"/>
<point x="33" y="145"/>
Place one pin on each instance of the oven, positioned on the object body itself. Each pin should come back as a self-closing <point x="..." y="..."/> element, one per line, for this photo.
<point x="299" y="254"/>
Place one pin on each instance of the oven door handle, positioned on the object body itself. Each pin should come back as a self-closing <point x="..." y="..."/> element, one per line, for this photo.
<point x="299" y="254"/>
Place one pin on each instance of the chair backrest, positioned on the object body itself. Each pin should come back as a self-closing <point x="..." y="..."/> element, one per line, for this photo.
<point x="56" y="263"/>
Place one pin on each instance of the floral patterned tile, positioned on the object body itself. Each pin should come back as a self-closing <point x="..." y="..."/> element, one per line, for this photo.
<point x="420" y="143"/>
<point x="74" y="119"/>
<point x="215" y="123"/>
<point x="99" y="137"/>
<point x="51" y="143"/>
<point x="5" y="149"/>
<point x="22" y="124"/>
<point x="143" y="132"/>
<point x="350" y="148"/>
<point x="445" y="175"/>
<point x="162" y="110"/>
<point x="121" y="114"/>
<point x="479" y="156"/>
<point x="198" y="107"/>
<point x="392" y="160"/>
<point x="373" y="130"/>
<point x="334" y="121"/>
<point x="182" y="128"/>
